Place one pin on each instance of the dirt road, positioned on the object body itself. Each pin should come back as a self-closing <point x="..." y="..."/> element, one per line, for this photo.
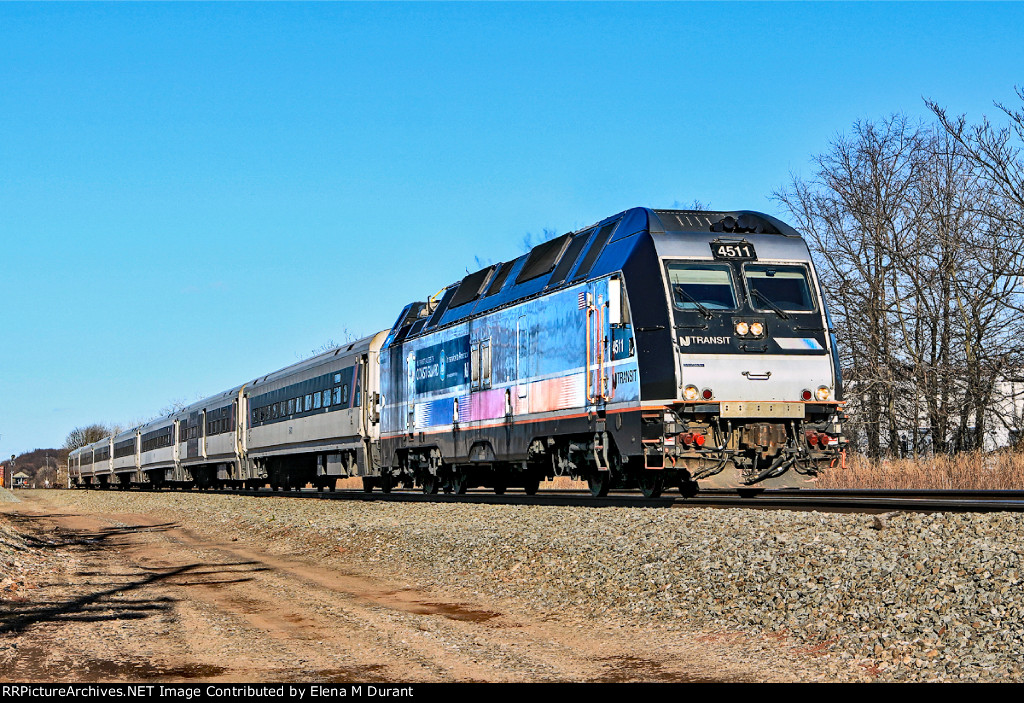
<point x="143" y="597"/>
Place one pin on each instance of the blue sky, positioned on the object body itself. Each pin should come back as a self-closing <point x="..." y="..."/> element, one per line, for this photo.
<point x="195" y="194"/>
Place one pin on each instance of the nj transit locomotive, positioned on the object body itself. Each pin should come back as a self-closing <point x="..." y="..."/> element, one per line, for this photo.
<point x="656" y="348"/>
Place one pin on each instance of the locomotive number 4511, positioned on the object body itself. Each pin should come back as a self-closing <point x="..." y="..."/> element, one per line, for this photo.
<point x="733" y="250"/>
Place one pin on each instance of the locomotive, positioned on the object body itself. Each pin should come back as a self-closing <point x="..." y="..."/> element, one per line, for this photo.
<point x="654" y="349"/>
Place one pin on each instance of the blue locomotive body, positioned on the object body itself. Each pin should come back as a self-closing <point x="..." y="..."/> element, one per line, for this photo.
<point x="582" y="357"/>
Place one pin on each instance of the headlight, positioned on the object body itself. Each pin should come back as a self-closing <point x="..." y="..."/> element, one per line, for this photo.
<point x="756" y="329"/>
<point x="821" y="393"/>
<point x="691" y="393"/>
<point x="742" y="328"/>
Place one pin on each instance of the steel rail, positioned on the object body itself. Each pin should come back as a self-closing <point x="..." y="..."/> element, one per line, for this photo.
<point x="867" y="501"/>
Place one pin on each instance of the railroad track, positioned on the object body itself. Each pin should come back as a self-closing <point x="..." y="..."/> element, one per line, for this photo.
<point x="868" y="501"/>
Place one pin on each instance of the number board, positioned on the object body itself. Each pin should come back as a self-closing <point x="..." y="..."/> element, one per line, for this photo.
<point x="733" y="250"/>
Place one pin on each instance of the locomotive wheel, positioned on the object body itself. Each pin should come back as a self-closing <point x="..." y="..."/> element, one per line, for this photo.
<point x="652" y="483"/>
<point x="459" y="483"/>
<point x="599" y="482"/>
<point x="429" y="483"/>
<point x="531" y="484"/>
<point x="688" y="488"/>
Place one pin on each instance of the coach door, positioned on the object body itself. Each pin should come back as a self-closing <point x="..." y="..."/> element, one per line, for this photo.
<point x="192" y="446"/>
<point x="202" y="435"/>
<point x="603" y="307"/>
<point x="410" y="389"/>
<point x="522" y="403"/>
<point x="595" y="351"/>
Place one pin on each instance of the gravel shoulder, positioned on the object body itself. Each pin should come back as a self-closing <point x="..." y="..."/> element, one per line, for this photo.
<point x="180" y="587"/>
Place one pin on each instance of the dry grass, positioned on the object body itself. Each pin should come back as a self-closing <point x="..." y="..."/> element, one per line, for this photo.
<point x="560" y="482"/>
<point x="975" y="471"/>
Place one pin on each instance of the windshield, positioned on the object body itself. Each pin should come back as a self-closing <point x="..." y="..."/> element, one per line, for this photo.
<point x="702" y="286"/>
<point x="785" y="287"/>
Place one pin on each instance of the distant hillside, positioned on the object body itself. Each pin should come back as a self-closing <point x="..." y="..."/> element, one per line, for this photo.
<point x="39" y="464"/>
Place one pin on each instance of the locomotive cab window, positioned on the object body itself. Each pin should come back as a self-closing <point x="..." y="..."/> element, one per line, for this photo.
<point x="695" y="286"/>
<point x="785" y="287"/>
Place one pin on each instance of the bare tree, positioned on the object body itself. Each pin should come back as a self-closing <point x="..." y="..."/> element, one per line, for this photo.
<point x="991" y="280"/>
<point x="84" y="436"/>
<point x="996" y="152"/>
<point x="854" y="212"/>
<point x="924" y="280"/>
<point x="330" y="345"/>
<point x="530" y="240"/>
<point x="695" y="205"/>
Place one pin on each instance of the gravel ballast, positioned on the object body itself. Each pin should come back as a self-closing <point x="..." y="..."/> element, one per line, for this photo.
<point x="904" y="597"/>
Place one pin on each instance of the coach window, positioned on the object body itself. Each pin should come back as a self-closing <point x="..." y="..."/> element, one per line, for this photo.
<point x="344" y="396"/>
<point x="337" y="378"/>
<point x="337" y="395"/>
<point x="309" y="401"/>
<point x="316" y="400"/>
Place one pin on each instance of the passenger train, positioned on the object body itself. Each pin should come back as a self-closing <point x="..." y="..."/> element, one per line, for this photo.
<point x="655" y="349"/>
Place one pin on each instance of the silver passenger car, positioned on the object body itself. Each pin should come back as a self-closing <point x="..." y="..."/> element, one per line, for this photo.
<point x="318" y="420"/>
<point x="210" y="447"/>
<point x="158" y="452"/>
<point x="75" y="466"/>
<point x="125" y="462"/>
<point x="99" y="456"/>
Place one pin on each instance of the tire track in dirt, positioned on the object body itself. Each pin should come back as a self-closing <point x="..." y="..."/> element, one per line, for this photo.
<point x="169" y="604"/>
